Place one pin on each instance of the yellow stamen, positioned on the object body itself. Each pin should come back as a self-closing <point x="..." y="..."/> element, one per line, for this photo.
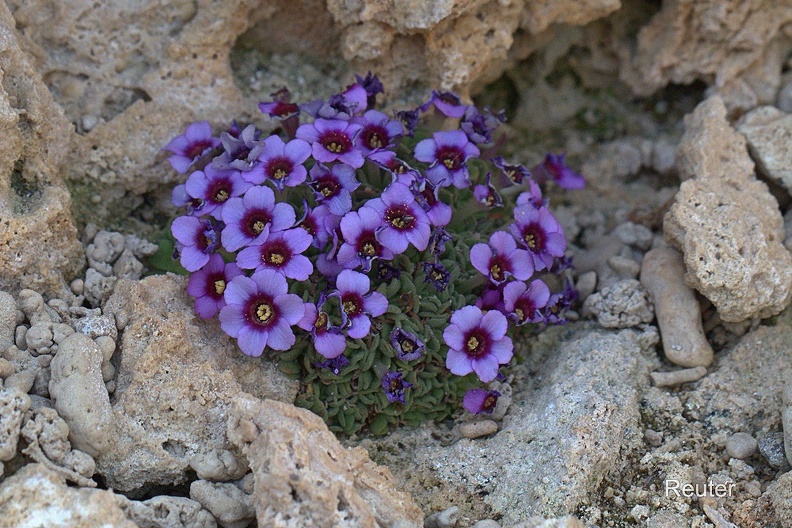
<point x="219" y="286"/>
<point x="264" y="312"/>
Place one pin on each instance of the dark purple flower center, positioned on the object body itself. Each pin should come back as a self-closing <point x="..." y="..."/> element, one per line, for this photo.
<point x="429" y="196"/>
<point x="490" y="401"/>
<point x="309" y="224"/>
<point x="477" y="343"/>
<point x="451" y="156"/>
<point x="276" y="254"/>
<point x="352" y="303"/>
<point x="219" y="190"/>
<point x="367" y="245"/>
<point x="281" y="109"/>
<point x="448" y="97"/>
<point x="408" y="346"/>
<point x="254" y="221"/>
<point x="524" y="308"/>
<point x="215" y="285"/>
<point x="397" y="166"/>
<point x="400" y="217"/>
<point x="261" y="311"/>
<point x="336" y="142"/>
<point x="498" y="267"/>
<point x="197" y="148"/>
<point x="554" y="169"/>
<point x="534" y="237"/>
<point x="375" y="137"/>
<point x="206" y="240"/>
<point x="513" y="174"/>
<point x="279" y="167"/>
<point x="328" y="186"/>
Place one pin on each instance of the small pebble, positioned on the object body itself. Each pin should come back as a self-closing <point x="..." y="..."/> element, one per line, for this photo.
<point x="771" y="446"/>
<point x="444" y="519"/>
<point x="44" y="361"/>
<point x="77" y="286"/>
<point x="586" y="284"/>
<point x="634" y="235"/>
<point x="741" y="445"/>
<point x="122" y="319"/>
<point x="19" y="337"/>
<point x="477" y="428"/>
<point x="88" y="122"/>
<point x="753" y="489"/>
<point x="6" y="368"/>
<point x="110" y="386"/>
<point x="107" y="345"/>
<point x="625" y="267"/>
<point x="653" y="438"/>
<point x="487" y="523"/>
<point x="677" y="377"/>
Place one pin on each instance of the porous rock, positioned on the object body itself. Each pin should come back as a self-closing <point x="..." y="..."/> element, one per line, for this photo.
<point x="79" y="394"/>
<point x="38" y="240"/>
<point x="621" y="305"/>
<point x="37" y="496"/>
<point x="166" y="512"/>
<point x="768" y="131"/>
<point x="726" y="223"/>
<point x="302" y="473"/>
<point x="8" y="323"/>
<point x="175" y="382"/>
<point x="230" y="505"/>
<point x="13" y="405"/>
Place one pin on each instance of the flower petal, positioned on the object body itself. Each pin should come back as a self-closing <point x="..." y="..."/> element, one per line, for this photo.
<point x="458" y="363"/>
<point x="486" y="368"/>
<point x="252" y="341"/>
<point x="281" y="337"/>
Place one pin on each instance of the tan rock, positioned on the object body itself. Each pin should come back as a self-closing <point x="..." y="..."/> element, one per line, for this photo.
<point x="37" y="496"/>
<point x="38" y="241"/>
<point x="176" y="379"/>
<point x="13" y="405"/>
<point x="726" y="223"/>
<point x="303" y="474"/>
<point x="769" y="134"/>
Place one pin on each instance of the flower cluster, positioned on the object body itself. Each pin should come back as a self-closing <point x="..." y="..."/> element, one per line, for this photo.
<point x="342" y="241"/>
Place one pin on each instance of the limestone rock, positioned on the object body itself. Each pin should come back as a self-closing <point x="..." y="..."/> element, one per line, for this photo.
<point x="79" y="394"/>
<point x="621" y="305"/>
<point x="304" y="477"/>
<point x="726" y="223"/>
<point x="37" y="496"/>
<point x="176" y="379"/>
<point x="769" y="134"/>
<point x="737" y="45"/>
<point x="8" y="323"/>
<point x="230" y="505"/>
<point x="38" y="241"/>
<point x="167" y="512"/>
<point x="13" y="405"/>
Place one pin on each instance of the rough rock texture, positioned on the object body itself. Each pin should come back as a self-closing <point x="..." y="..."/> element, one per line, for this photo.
<point x="176" y="379"/>
<point x="566" y="429"/>
<point x="13" y="405"/>
<point x="166" y="512"/>
<point x="305" y="477"/>
<point x="38" y="241"/>
<point x="737" y="46"/>
<point x="8" y="315"/>
<point x="726" y="223"/>
<point x="769" y="133"/>
<point x="231" y="506"/>
<point x="36" y="496"/>
<point x="621" y="305"/>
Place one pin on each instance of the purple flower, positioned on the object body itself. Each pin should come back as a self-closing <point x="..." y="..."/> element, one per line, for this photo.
<point x="372" y="85"/>
<point x="438" y="212"/>
<point x="333" y="187"/>
<point x="319" y="222"/>
<point x="281" y="252"/>
<point x="501" y="259"/>
<point x="387" y="272"/>
<point x="407" y="345"/>
<point x="409" y="119"/>
<point x="328" y="266"/>
<point x="559" y="303"/>
<point x="282" y="107"/>
<point x="196" y="142"/>
<point x="281" y="163"/>
<point x="436" y="274"/>
<point x="394" y="386"/>
<point x="478" y="343"/>
<point x="540" y="233"/>
<point x="447" y="103"/>
<point x="491" y="298"/>
<point x="197" y="238"/>
<point x="438" y="240"/>
<point x="379" y="132"/>
<point x="250" y="219"/>
<point x="215" y="187"/>
<point x="479" y="126"/>
<point x="480" y="401"/>
<point x="361" y="246"/>
<point x="335" y="365"/>
<point x="180" y="198"/>
<point x="352" y="101"/>
<point x="447" y="153"/>
<point x="403" y="220"/>
<point x="487" y="195"/>
<point x="239" y="152"/>
<point x="524" y="303"/>
<point x="357" y="303"/>
<point x="259" y="312"/>
<point x="515" y="173"/>
<point x="532" y="196"/>
<point x="333" y="140"/>
<point x="555" y="168"/>
<point x="327" y="338"/>
<point x="387" y="160"/>
<point x="208" y="284"/>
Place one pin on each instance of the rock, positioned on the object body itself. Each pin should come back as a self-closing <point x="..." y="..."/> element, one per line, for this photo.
<point x="692" y="40"/>
<point x="477" y="428"/>
<point x="103" y="250"/>
<point x="678" y="377"/>
<point x="621" y="305"/>
<point x="175" y="382"/>
<point x="726" y="223"/>
<point x="80" y="397"/>
<point x="741" y="445"/>
<point x="98" y="288"/>
<point x="302" y="472"/>
<point x="8" y="323"/>
<point x="771" y="446"/>
<point x="230" y="506"/>
<point x="586" y="284"/>
<point x="769" y="132"/>
<point x="219" y="465"/>
<point x="486" y="523"/>
<point x="444" y="519"/>
<point x="775" y="505"/>
<point x="96" y="326"/>
<point x="560" y="522"/>
<point x="634" y="235"/>
<point x="13" y="405"/>
<point x="25" y="368"/>
<point x="676" y="307"/>
<point x="38" y="240"/>
<point x="167" y="512"/>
